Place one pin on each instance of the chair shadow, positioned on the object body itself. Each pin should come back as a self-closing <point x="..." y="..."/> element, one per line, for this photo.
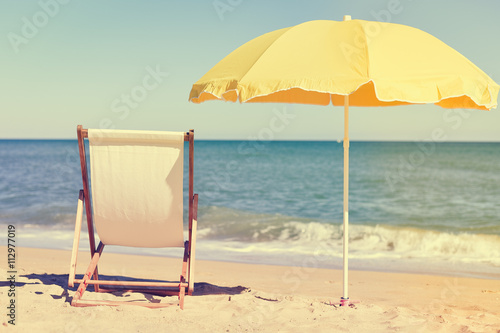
<point x="61" y="280"/>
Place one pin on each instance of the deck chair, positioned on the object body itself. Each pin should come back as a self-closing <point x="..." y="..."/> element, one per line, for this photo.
<point x="134" y="198"/>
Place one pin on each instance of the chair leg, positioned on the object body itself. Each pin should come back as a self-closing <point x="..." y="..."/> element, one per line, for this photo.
<point x="192" y="255"/>
<point x="88" y="275"/>
<point x="182" y="292"/>
<point x="92" y="268"/>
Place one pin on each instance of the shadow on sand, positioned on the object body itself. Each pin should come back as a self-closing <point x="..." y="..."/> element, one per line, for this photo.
<point x="61" y="280"/>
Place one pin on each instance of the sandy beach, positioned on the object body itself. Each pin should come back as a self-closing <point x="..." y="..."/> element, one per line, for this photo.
<point x="233" y="297"/>
<point x="279" y="140"/>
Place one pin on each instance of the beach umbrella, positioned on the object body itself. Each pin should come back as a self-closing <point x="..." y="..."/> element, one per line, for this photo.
<point x="348" y="63"/>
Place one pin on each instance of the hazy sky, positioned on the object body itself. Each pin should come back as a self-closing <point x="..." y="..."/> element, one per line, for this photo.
<point x="131" y="65"/>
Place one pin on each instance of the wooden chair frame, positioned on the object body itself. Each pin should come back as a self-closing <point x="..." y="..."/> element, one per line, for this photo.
<point x="91" y="276"/>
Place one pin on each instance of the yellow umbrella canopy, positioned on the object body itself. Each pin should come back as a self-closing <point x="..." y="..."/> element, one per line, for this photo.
<point x="352" y="62"/>
<point x="375" y="63"/>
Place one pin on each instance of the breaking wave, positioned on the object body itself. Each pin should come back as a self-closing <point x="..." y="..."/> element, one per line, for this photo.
<point x="275" y="233"/>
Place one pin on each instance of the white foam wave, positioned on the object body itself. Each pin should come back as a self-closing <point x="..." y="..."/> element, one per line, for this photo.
<point x="287" y="241"/>
<point x="380" y="241"/>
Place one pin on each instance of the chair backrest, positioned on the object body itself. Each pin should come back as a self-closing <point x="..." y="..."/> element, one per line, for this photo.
<point x="136" y="181"/>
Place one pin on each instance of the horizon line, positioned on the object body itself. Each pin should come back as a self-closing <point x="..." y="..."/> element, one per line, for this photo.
<point x="281" y="140"/>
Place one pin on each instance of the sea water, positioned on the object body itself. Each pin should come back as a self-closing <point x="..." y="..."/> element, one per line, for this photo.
<point x="413" y="206"/>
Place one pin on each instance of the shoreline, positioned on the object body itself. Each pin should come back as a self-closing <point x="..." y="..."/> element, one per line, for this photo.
<point x="237" y="297"/>
<point x="451" y="274"/>
<point x="250" y="253"/>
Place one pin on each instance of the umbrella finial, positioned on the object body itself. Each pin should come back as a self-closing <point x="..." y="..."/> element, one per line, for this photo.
<point x="347" y="17"/>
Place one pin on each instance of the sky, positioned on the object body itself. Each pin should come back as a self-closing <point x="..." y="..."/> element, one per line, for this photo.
<point x="131" y="65"/>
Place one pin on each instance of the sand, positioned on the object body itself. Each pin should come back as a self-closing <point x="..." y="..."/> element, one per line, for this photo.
<point x="233" y="297"/>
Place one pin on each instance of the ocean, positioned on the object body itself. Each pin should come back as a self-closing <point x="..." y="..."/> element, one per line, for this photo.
<point x="420" y="207"/>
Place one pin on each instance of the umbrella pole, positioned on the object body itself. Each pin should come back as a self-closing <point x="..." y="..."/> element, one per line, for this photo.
<point x="344" y="300"/>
